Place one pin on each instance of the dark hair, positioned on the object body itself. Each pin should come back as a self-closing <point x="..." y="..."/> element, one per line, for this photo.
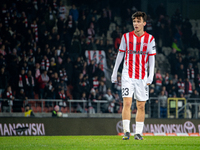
<point x="140" y="14"/>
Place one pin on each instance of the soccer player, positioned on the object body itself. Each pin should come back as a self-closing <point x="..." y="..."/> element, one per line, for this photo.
<point x="139" y="49"/>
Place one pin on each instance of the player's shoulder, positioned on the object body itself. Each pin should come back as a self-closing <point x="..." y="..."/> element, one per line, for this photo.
<point x="151" y="37"/>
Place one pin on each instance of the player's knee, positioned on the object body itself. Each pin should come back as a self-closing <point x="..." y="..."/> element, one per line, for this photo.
<point x="127" y="104"/>
<point x="140" y="107"/>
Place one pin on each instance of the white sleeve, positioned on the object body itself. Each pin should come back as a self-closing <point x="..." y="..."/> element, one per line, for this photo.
<point x="151" y="68"/>
<point x="118" y="61"/>
<point x="152" y="47"/>
<point x="122" y="46"/>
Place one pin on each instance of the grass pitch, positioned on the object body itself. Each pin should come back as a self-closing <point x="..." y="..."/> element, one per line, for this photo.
<point x="98" y="143"/>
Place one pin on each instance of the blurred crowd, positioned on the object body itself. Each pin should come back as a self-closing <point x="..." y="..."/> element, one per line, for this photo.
<point x="43" y="44"/>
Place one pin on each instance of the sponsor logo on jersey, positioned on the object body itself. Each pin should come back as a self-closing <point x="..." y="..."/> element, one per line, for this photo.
<point x="137" y="52"/>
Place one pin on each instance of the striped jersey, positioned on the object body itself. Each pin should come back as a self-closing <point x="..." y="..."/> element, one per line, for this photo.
<point x="137" y="51"/>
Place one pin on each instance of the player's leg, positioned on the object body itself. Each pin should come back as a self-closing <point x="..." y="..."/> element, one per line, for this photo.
<point x="126" y="116"/>
<point x="141" y="95"/>
<point x="140" y="116"/>
<point x="127" y="93"/>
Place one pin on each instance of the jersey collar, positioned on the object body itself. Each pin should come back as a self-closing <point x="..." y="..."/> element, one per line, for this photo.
<point x="139" y="36"/>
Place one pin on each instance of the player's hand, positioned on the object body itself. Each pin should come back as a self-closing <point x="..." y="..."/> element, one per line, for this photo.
<point x="114" y="78"/>
<point x="149" y="81"/>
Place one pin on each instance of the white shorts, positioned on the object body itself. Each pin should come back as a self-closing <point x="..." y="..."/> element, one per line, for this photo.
<point x="138" y="87"/>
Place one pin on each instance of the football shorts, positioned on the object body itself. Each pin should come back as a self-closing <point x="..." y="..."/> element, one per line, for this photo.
<point x="138" y="87"/>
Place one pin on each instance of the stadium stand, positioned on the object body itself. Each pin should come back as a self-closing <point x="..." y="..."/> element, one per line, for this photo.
<point x="46" y="36"/>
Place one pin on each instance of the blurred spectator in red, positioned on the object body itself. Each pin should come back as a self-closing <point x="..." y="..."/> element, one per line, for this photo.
<point x="45" y="63"/>
<point x="62" y="95"/>
<point x="22" y="80"/>
<point x="117" y="41"/>
<point x="166" y="79"/>
<point x="181" y="86"/>
<point x="95" y="81"/>
<point x="62" y="11"/>
<point x="190" y="73"/>
<point x="188" y="88"/>
<point x="158" y="81"/>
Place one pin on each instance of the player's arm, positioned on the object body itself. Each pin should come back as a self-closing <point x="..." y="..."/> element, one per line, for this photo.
<point x="118" y="61"/>
<point x="152" y="53"/>
<point x="151" y="69"/>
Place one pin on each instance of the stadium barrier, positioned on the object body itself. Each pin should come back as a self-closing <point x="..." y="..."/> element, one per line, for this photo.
<point x="92" y="126"/>
<point x="176" y="107"/>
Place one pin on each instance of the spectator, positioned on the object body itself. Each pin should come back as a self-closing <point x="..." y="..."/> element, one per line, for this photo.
<point x="45" y="63"/>
<point x="154" y="103"/>
<point x="69" y="69"/>
<point x="190" y="73"/>
<point x="117" y="86"/>
<point x="55" y="111"/>
<point x="28" y="111"/>
<point x="92" y="98"/>
<point x="7" y="100"/>
<point x="181" y="72"/>
<point x="61" y="95"/>
<point x="30" y="85"/>
<point x="74" y="12"/>
<point x="109" y="106"/>
<point x="188" y="88"/>
<point x="175" y="79"/>
<point x="102" y="88"/>
<point x="62" y="11"/>
<point x="171" y="88"/>
<point x="3" y="80"/>
<point x="165" y="91"/>
<point x="162" y="98"/>
<point x="22" y="80"/>
<point x="158" y="81"/>
<point x="95" y="81"/>
<point x="166" y="79"/>
<point x="18" y="104"/>
<point x="70" y="27"/>
<point x="50" y="19"/>
<point x="91" y="31"/>
<point x="181" y="86"/>
<point x="42" y="80"/>
<point x="195" y="95"/>
<point x="91" y="69"/>
<point x="49" y="93"/>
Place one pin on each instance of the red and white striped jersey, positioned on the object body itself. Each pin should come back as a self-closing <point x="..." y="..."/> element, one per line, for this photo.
<point x="137" y="51"/>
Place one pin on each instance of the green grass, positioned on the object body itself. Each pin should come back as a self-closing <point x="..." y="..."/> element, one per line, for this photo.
<point x="98" y="143"/>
